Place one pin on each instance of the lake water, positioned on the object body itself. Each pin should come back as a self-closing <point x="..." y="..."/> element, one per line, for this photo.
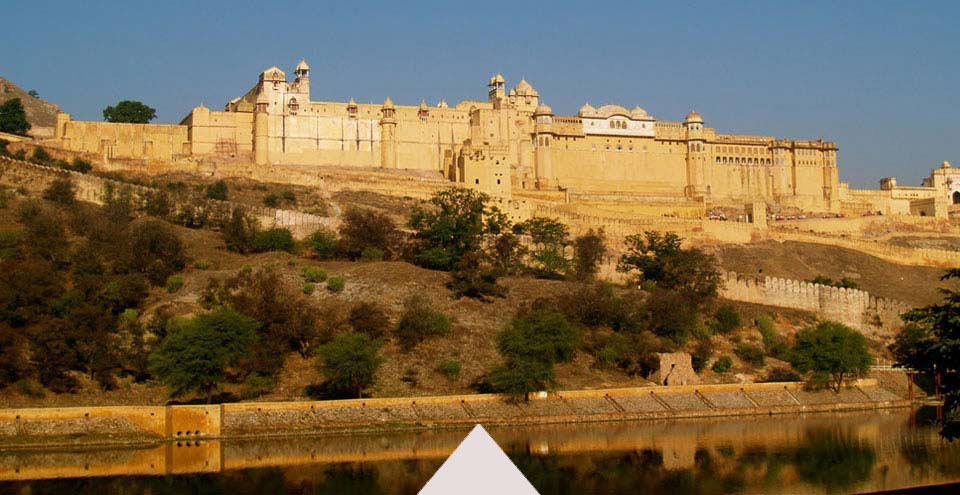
<point x="817" y="453"/>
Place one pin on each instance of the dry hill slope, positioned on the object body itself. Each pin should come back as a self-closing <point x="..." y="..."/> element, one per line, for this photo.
<point x="39" y="113"/>
<point x="803" y="261"/>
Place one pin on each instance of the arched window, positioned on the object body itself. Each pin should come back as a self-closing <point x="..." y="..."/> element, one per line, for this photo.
<point x="956" y="197"/>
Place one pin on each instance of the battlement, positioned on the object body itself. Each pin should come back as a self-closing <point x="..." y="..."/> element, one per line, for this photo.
<point x="853" y="307"/>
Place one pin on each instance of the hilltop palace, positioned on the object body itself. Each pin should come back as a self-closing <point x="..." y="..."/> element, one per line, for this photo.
<point x="509" y="143"/>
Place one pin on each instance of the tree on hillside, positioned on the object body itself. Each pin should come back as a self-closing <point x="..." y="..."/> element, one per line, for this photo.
<point x="13" y="119"/>
<point x="33" y="93"/>
<point x="455" y="225"/>
<point x="550" y="238"/>
<point x="930" y="343"/>
<point x="196" y="353"/>
<point x="132" y="112"/>
<point x="659" y="259"/>
<point x="349" y="363"/>
<point x="535" y="340"/>
<point x="363" y="228"/>
<point x="154" y="250"/>
<point x="588" y="251"/>
<point x="830" y="352"/>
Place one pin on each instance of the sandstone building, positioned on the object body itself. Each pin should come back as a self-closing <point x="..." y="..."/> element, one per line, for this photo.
<point x="509" y="142"/>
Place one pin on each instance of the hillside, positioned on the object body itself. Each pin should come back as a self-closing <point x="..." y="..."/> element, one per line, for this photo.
<point x="914" y="285"/>
<point x="472" y="341"/>
<point x="40" y="114"/>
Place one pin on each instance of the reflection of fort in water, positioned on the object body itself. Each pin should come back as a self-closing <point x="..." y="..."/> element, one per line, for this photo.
<point x="677" y="445"/>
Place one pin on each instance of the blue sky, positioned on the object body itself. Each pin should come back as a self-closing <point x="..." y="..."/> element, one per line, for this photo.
<point x="881" y="78"/>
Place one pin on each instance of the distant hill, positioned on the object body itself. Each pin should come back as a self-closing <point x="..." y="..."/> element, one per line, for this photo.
<point x="42" y="115"/>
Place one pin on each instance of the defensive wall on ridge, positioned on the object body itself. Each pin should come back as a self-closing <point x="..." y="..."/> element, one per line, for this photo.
<point x="852" y="307"/>
<point x="132" y="424"/>
<point x="90" y="188"/>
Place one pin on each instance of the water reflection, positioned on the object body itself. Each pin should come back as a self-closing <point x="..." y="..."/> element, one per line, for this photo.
<point x="843" y="453"/>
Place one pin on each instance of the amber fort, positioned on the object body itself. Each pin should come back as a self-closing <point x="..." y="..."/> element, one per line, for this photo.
<point x="511" y="143"/>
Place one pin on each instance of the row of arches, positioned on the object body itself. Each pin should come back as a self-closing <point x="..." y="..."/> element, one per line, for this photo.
<point x="742" y="161"/>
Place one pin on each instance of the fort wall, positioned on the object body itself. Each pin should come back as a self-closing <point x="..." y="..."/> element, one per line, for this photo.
<point x="154" y="141"/>
<point x="852" y="307"/>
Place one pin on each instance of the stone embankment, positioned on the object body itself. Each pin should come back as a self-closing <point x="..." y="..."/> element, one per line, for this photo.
<point x="19" y="427"/>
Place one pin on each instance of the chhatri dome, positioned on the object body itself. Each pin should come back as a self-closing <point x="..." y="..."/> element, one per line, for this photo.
<point x="388" y="103"/>
<point x="586" y="109"/>
<point x="694" y="117"/>
<point x="302" y="66"/>
<point x="523" y="88"/>
<point x="543" y="109"/>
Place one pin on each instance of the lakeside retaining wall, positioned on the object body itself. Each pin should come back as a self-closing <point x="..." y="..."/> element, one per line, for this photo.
<point x="188" y="423"/>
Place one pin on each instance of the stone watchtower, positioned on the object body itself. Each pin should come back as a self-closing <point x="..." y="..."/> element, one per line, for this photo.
<point x="497" y="93"/>
<point x="696" y="154"/>
<point x="388" y="135"/>
<point x="261" y="130"/>
<point x="543" y="140"/>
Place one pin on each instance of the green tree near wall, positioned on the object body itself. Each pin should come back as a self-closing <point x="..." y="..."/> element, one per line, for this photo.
<point x="659" y="259"/>
<point x="13" y="119"/>
<point x="930" y="344"/>
<point x="830" y="352"/>
<point x="530" y="345"/>
<point x="350" y="363"/>
<point x="131" y="112"/>
<point x="197" y="352"/>
<point x="454" y="224"/>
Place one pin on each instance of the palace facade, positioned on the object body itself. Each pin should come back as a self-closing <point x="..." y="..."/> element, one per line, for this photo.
<point x="509" y="142"/>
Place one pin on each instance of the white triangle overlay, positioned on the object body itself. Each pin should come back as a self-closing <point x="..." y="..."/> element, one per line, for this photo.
<point x="478" y="466"/>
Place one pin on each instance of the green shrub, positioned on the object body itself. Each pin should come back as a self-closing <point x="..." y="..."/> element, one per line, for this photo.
<point x="725" y="320"/>
<point x="323" y="244"/>
<point x="774" y="344"/>
<point x="781" y="374"/>
<point x="202" y="264"/>
<point x="751" y="354"/>
<point x="309" y="287"/>
<point x="349" y="363"/>
<point x="371" y="253"/>
<point x="314" y="274"/>
<point x="257" y="385"/>
<point x="701" y="354"/>
<point x="723" y="364"/>
<point x="449" y="368"/>
<point x="271" y="200"/>
<point x="273" y="240"/>
<point x="418" y="322"/>
<point x="336" y="284"/>
<point x="174" y="283"/>
<point x="81" y="166"/>
<point x="369" y="318"/>
<point x="289" y="196"/>
<point x="9" y="243"/>
<point x="217" y="190"/>
<point x="29" y="388"/>
<point x="41" y="156"/>
<point x="60" y="191"/>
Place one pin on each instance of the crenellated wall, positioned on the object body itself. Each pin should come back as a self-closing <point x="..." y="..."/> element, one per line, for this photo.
<point x="852" y="307"/>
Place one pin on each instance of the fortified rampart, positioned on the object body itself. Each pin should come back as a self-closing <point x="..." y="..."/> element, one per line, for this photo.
<point x="126" y="424"/>
<point x="852" y="307"/>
